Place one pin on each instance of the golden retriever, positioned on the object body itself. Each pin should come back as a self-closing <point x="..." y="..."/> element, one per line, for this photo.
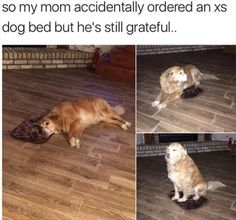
<point x="73" y="117"/>
<point x="175" y="79"/>
<point x="185" y="175"/>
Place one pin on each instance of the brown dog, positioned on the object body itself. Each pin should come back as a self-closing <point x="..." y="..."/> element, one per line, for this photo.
<point x="73" y="117"/>
<point x="175" y="79"/>
<point x="185" y="175"/>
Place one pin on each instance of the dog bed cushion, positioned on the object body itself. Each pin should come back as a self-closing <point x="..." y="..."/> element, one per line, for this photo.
<point x="191" y="92"/>
<point x="30" y="130"/>
<point x="190" y="203"/>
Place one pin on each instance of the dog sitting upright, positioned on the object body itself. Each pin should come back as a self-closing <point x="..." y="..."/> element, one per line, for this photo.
<point x="185" y="175"/>
<point x="73" y="117"/>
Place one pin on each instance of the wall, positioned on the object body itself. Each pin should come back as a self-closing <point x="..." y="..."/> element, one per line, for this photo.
<point x="200" y="146"/>
<point x="160" y="49"/>
<point x="44" y="58"/>
<point x="91" y="48"/>
<point x="224" y="137"/>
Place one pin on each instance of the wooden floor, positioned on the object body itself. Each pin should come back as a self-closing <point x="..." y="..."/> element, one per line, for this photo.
<point x="153" y="186"/>
<point x="53" y="181"/>
<point x="213" y="111"/>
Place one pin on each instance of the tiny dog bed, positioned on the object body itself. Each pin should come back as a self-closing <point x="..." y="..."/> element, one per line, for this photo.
<point x="190" y="203"/>
<point x="191" y="92"/>
<point x="30" y="130"/>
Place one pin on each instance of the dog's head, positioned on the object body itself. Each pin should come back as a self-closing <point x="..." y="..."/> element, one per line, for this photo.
<point x="177" y="74"/>
<point x="51" y="124"/>
<point x="175" y="152"/>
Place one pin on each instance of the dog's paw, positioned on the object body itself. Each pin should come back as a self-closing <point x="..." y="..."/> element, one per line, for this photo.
<point x="77" y="143"/>
<point x="197" y="84"/>
<point x="175" y="197"/>
<point x="124" y="127"/>
<point x="155" y="103"/>
<point x="128" y="124"/>
<point x="182" y="199"/>
<point x="196" y="197"/>
<point x="74" y="142"/>
<point x="161" y="106"/>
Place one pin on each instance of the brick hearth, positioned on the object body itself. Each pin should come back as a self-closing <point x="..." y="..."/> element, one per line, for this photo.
<point x="44" y="58"/>
<point x="147" y="150"/>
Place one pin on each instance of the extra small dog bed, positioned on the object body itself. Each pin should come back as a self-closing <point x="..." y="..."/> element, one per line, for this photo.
<point x="30" y="130"/>
<point x="190" y="203"/>
<point x="191" y="92"/>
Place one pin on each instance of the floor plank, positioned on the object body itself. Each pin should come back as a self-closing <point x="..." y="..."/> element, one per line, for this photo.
<point x="18" y="208"/>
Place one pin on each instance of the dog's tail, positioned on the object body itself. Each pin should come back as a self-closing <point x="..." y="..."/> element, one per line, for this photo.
<point x="119" y="110"/>
<point x="213" y="185"/>
<point x="207" y="76"/>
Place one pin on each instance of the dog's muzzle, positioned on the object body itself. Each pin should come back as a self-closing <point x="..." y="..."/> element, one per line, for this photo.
<point x="45" y="131"/>
<point x="167" y="156"/>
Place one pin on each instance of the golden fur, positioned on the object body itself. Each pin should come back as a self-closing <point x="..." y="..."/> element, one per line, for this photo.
<point x="185" y="175"/>
<point x="73" y="117"/>
<point x="174" y="80"/>
<point x="171" y="81"/>
<point x="195" y="76"/>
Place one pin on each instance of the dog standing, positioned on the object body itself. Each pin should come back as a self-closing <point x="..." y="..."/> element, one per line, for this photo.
<point x="73" y="117"/>
<point x="185" y="175"/>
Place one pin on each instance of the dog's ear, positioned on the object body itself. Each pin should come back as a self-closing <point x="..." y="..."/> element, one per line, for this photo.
<point x="170" y="74"/>
<point x="56" y="119"/>
<point x="184" y="149"/>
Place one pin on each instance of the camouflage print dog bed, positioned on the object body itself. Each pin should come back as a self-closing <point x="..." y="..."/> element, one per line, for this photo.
<point x="190" y="203"/>
<point x="30" y="130"/>
<point x="191" y="92"/>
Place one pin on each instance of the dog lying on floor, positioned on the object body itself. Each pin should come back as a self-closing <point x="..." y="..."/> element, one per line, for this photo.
<point x="73" y="117"/>
<point x="185" y="175"/>
<point x="175" y="80"/>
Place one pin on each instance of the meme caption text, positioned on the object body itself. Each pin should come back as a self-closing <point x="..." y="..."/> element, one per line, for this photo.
<point x="121" y="18"/>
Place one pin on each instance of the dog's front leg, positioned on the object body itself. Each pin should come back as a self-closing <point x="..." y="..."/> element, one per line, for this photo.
<point x="176" y="196"/>
<point x="159" y="99"/>
<point x="186" y="193"/>
<point x="169" y="98"/>
<point x="75" y="131"/>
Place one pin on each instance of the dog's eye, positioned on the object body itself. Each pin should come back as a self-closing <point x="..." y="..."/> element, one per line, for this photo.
<point x="47" y="123"/>
<point x="174" y="150"/>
